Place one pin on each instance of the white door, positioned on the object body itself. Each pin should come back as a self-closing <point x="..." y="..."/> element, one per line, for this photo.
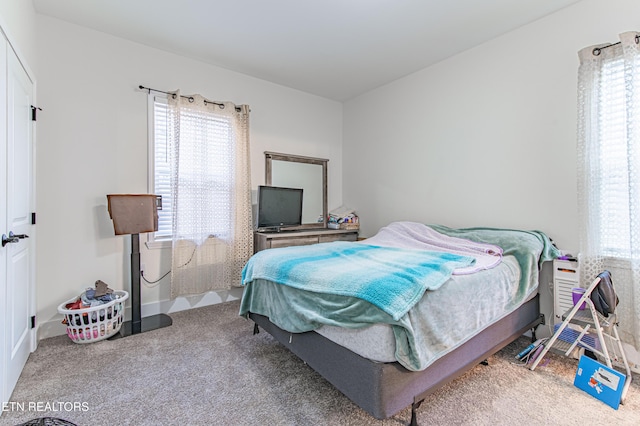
<point x="3" y="217"/>
<point x="17" y="206"/>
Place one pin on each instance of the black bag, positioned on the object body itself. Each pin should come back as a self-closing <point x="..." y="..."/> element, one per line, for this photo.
<point x="604" y="296"/>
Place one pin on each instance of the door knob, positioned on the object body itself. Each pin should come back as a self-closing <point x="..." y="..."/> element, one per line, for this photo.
<point x="12" y="238"/>
<point x="6" y="240"/>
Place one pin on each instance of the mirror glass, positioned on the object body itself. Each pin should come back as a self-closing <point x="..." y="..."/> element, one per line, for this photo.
<point x="301" y="175"/>
<point x="308" y="173"/>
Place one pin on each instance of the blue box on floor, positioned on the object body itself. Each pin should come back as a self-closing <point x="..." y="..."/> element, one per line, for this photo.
<point x="600" y="381"/>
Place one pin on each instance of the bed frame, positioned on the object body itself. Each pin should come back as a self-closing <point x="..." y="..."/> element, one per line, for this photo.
<point x="383" y="389"/>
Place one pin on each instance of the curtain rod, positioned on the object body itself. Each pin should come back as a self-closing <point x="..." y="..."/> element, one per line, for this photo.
<point x="597" y="50"/>
<point x="190" y="98"/>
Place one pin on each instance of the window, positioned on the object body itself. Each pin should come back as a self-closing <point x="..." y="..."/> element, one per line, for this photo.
<point x="214" y="161"/>
<point x="609" y="151"/>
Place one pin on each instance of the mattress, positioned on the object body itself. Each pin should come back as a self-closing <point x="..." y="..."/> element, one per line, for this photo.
<point x="488" y="297"/>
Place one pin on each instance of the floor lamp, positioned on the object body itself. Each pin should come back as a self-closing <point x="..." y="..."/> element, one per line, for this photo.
<point x="133" y="214"/>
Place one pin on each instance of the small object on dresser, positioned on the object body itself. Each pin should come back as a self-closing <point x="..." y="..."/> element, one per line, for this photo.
<point x="344" y="217"/>
<point x="349" y="226"/>
<point x="333" y="225"/>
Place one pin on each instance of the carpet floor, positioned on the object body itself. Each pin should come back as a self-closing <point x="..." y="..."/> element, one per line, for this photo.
<point x="209" y="369"/>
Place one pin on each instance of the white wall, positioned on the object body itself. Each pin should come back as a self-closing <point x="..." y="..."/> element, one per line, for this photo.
<point x="92" y="140"/>
<point x="484" y="138"/>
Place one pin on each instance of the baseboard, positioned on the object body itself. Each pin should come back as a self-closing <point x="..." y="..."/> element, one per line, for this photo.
<point x="633" y="358"/>
<point x="54" y="327"/>
<point x="635" y="368"/>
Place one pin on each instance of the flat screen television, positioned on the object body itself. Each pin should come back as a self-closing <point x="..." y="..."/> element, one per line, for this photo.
<point x="279" y="207"/>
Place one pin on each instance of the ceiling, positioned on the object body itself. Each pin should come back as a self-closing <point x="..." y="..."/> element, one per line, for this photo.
<point x="337" y="49"/>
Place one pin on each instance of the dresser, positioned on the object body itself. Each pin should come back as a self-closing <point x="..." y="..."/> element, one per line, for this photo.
<point x="264" y="240"/>
<point x="566" y="276"/>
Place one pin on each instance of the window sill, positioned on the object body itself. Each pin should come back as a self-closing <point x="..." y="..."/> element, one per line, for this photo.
<point x="618" y="262"/>
<point x="153" y="245"/>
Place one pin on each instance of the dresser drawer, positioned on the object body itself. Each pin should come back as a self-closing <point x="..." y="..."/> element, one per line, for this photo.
<point x="302" y="237"/>
<point x="288" y="242"/>
<point x="566" y="270"/>
<point x="339" y="237"/>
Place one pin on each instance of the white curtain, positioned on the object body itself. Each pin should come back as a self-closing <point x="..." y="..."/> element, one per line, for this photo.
<point x="211" y="191"/>
<point x="609" y="173"/>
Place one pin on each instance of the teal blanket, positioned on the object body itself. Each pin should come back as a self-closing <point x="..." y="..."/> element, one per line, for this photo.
<point x="530" y="248"/>
<point x="393" y="279"/>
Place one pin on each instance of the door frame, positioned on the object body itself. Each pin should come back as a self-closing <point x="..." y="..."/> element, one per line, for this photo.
<point x="5" y="392"/>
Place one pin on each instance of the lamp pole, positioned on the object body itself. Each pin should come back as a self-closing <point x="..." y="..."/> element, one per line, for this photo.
<point x="136" y="316"/>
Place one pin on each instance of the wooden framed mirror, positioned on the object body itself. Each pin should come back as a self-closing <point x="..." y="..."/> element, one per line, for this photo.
<point x="308" y="173"/>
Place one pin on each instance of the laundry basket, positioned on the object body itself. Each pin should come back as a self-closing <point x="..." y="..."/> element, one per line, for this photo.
<point x="88" y="325"/>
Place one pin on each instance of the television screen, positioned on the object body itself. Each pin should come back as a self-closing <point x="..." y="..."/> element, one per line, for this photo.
<point x="278" y="206"/>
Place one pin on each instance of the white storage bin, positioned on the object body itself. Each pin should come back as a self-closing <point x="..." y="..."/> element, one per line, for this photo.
<point x="88" y="325"/>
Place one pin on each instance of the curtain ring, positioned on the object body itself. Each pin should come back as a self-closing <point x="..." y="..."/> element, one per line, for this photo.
<point x="637" y="38"/>
<point x="221" y="106"/>
<point x="597" y="50"/>
<point x="173" y="96"/>
<point x="191" y="99"/>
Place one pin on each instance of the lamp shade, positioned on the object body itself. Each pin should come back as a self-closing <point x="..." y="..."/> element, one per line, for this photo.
<point x="133" y="213"/>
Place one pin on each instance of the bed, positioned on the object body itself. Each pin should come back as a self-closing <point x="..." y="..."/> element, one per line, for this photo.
<point x="477" y="292"/>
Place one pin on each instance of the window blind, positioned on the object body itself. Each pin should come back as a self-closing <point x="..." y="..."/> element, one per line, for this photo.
<point x="162" y="167"/>
<point x="207" y="166"/>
